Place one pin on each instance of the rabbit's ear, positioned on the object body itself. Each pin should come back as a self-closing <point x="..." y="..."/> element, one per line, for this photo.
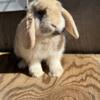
<point x="70" y="24"/>
<point x="29" y="32"/>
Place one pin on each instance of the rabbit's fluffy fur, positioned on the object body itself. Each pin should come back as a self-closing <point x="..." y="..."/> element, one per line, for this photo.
<point x="39" y="36"/>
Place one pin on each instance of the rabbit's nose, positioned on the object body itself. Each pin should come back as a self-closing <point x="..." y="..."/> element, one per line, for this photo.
<point x="57" y="29"/>
<point x="59" y="32"/>
<point x="53" y="25"/>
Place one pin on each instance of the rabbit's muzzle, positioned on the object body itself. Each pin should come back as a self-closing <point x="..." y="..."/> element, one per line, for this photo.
<point x="46" y="26"/>
<point x="49" y="20"/>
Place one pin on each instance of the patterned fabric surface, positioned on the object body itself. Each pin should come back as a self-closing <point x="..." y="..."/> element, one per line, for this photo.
<point x="80" y="81"/>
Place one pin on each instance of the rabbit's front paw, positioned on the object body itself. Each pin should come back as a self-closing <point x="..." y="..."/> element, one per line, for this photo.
<point x="36" y="70"/>
<point x="57" y="71"/>
<point x="56" y="68"/>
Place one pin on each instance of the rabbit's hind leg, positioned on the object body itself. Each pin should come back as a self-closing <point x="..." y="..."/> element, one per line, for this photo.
<point x="22" y="64"/>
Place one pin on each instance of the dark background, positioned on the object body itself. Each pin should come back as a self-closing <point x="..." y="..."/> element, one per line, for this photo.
<point x="86" y="14"/>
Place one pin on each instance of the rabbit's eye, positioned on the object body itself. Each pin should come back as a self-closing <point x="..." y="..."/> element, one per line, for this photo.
<point x="41" y="13"/>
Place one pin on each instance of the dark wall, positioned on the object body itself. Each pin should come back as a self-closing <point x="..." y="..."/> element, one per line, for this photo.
<point x="87" y="17"/>
<point x="86" y="14"/>
<point x="8" y="24"/>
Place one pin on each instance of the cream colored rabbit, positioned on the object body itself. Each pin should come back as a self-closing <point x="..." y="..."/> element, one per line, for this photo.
<point x="40" y="36"/>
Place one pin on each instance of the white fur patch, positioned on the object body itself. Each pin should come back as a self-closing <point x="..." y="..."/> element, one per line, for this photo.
<point x="36" y="69"/>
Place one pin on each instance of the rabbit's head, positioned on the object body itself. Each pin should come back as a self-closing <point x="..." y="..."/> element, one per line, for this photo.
<point x="51" y="17"/>
<point x="48" y="16"/>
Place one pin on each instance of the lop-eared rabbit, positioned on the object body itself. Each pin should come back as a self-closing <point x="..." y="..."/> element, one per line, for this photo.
<point x="39" y="36"/>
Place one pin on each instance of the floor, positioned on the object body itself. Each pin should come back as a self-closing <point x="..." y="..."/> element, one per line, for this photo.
<point x="80" y="81"/>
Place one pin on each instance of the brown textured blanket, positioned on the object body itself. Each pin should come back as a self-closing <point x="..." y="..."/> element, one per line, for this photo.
<point x="80" y="81"/>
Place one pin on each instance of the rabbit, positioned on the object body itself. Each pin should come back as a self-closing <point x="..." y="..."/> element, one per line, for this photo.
<point x="39" y="36"/>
